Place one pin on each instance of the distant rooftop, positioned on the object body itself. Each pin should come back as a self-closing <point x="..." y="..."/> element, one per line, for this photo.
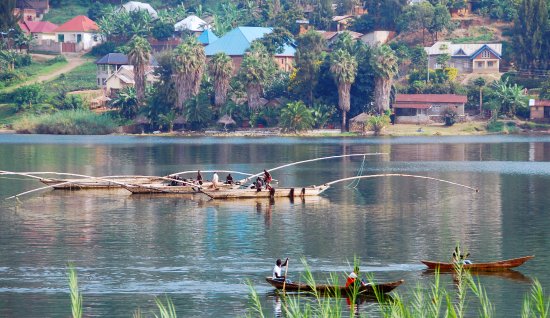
<point x="120" y="59"/>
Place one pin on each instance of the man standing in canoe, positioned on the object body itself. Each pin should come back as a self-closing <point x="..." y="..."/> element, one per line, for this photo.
<point x="277" y="269"/>
<point x="215" y="180"/>
<point x="199" y="177"/>
<point x="267" y="179"/>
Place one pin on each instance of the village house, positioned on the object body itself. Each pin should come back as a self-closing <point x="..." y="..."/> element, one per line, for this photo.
<point x="237" y="41"/>
<point x="124" y="77"/>
<point x="467" y="57"/>
<point x="78" y="34"/>
<point x="112" y="62"/>
<point x="207" y="37"/>
<point x="32" y="10"/>
<point x="41" y="31"/>
<point x="376" y="38"/>
<point x="539" y="110"/>
<point x="193" y="24"/>
<point x="132" y="6"/>
<point x="426" y="108"/>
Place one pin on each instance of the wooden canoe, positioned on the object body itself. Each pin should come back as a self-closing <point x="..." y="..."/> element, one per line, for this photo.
<point x="169" y="189"/>
<point x="99" y="183"/>
<point x="488" y="267"/>
<point x="248" y="193"/>
<point x="367" y="290"/>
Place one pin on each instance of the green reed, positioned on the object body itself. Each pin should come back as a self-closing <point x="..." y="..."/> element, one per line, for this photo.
<point x="76" y="297"/>
<point x="66" y="122"/>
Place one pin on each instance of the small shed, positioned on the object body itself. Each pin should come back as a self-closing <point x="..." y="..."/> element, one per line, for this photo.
<point x="539" y="109"/>
<point x="359" y="123"/>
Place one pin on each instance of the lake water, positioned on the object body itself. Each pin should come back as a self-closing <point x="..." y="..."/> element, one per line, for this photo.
<point x="128" y="249"/>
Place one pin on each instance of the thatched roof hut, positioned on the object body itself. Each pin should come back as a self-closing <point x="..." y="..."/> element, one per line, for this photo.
<point x="359" y="123"/>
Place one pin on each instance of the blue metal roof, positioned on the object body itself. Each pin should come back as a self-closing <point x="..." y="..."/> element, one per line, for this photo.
<point x="207" y="37"/>
<point x="238" y="40"/>
<point x="483" y="48"/>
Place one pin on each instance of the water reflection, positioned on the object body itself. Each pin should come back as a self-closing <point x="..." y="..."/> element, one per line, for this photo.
<point x="129" y="248"/>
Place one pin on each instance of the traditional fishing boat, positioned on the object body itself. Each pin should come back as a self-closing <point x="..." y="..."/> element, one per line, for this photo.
<point x="367" y="290"/>
<point x="249" y="193"/>
<point x="97" y="183"/>
<point x="185" y="188"/>
<point x="487" y="267"/>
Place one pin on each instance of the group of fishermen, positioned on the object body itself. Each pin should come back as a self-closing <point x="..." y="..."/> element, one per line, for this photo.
<point x="260" y="182"/>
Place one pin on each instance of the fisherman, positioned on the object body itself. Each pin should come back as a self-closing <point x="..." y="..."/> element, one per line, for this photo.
<point x="199" y="177"/>
<point x="277" y="269"/>
<point x="267" y="179"/>
<point x="352" y="277"/>
<point x="215" y="180"/>
<point x="229" y="179"/>
<point x="460" y="258"/>
<point x="258" y="184"/>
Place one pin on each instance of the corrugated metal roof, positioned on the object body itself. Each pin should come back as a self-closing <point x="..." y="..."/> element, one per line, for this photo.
<point x="430" y="98"/>
<point x="140" y="6"/>
<point x="207" y="37"/>
<point x="468" y="49"/>
<point x="412" y="105"/>
<point x="192" y="23"/>
<point x="238" y="40"/>
<point x="120" y="59"/>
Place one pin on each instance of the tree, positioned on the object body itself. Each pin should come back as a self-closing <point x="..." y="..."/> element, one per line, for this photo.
<point x="221" y="70"/>
<point x="256" y="68"/>
<point x="530" y="42"/>
<point x="276" y="40"/>
<point x="162" y="30"/>
<point x="417" y="16"/>
<point x="322" y="16"/>
<point x="296" y="117"/>
<point x="441" y="21"/>
<point x="343" y="67"/>
<point x="384" y="63"/>
<point x="188" y="65"/>
<point x="139" y="55"/>
<point x="308" y="59"/>
<point x="8" y="20"/>
<point x="509" y="97"/>
<point x="127" y="103"/>
<point x="26" y="96"/>
<point x="480" y="83"/>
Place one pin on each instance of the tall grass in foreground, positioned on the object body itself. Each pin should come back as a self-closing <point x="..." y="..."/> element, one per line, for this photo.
<point x="76" y="297"/>
<point x="431" y="302"/>
<point x="66" y="122"/>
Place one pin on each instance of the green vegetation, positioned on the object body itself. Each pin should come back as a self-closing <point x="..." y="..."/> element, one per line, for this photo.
<point x="80" y="78"/>
<point x="496" y="126"/>
<point x="30" y="73"/>
<point x="65" y="12"/>
<point x="296" y="117"/>
<point x="76" y="296"/>
<point x="66" y="122"/>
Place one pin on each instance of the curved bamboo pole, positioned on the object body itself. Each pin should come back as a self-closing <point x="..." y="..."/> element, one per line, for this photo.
<point x="312" y="160"/>
<point x="399" y="175"/>
<point x="208" y="171"/>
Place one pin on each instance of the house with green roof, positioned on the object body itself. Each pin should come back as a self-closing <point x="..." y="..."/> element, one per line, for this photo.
<point x="237" y="41"/>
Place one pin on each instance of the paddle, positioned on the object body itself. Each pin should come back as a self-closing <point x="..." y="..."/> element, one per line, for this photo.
<point x="286" y="270"/>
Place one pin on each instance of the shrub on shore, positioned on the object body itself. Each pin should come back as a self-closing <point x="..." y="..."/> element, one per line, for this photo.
<point x="68" y="122"/>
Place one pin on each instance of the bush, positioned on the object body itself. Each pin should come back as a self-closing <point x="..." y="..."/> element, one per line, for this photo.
<point x="378" y="123"/>
<point x="25" y="96"/>
<point x="57" y="59"/>
<point x="68" y="122"/>
<point x="296" y="117"/>
<point x="23" y="60"/>
<point x="450" y="116"/>
<point x="104" y="48"/>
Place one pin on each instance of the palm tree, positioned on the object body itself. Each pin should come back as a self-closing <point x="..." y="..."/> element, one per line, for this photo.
<point x="139" y="55"/>
<point x="343" y="67"/>
<point x="296" y="117"/>
<point x="189" y="63"/>
<point x="480" y="83"/>
<point x="384" y="63"/>
<point x="127" y="103"/>
<point x="221" y="70"/>
<point x="256" y="68"/>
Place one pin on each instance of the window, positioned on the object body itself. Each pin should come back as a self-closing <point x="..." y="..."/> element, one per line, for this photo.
<point x="546" y="112"/>
<point x="99" y="81"/>
<point x="78" y="38"/>
<point x="405" y="112"/>
<point x="61" y="38"/>
<point x="479" y="64"/>
<point x="490" y="64"/>
<point x="485" y="54"/>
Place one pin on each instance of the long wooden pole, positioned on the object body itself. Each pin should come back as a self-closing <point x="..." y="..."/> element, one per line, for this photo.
<point x="286" y="270"/>
<point x="399" y="175"/>
<point x="312" y="160"/>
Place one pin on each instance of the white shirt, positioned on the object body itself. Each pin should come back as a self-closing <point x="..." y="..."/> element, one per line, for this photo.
<point x="276" y="272"/>
<point x="215" y="179"/>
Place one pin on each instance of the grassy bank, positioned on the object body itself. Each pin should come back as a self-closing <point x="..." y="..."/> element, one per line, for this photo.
<point x="65" y="12"/>
<point x="68" y="122"/>
<point x="31" y="72"/>
<point x="82" y="77"/>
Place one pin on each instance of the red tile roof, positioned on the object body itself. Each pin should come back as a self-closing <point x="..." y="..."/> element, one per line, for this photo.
<point x="38" y="26"/>
<point x="412" y="105"/>
<point x="80" y="23"/>
<point x="430" y="98"/>
<point x="542" y="102"/>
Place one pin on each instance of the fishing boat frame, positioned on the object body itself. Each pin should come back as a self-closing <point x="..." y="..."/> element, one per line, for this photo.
<point x="482" y="267"/>
<point x="363" y="290"/>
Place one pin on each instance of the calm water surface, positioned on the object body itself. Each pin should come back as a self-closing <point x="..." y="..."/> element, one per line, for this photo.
<point x="129" y="249"/>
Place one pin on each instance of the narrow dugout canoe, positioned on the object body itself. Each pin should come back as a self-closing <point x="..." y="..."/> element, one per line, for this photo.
<point x="169" y="189"/>
<point x="297" y="192"/>
<point x="488" y="267"/>
<point x="99" y="183"/>
<point x="367" y="290"/>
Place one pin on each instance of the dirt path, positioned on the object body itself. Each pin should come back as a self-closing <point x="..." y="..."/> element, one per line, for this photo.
<point x="73" y="62"/>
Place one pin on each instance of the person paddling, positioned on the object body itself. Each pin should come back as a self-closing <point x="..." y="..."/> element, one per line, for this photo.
<point x="352" y="277"/>
<point x="267" y="179"/>
<point x="277" y="269"/>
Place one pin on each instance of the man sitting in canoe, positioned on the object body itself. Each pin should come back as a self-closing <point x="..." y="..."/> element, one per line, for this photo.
<point x="229" y="179"/>
<point x="352" y="278"/>
<point x="458" y="257"/>
<point x="277" y="269"/>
